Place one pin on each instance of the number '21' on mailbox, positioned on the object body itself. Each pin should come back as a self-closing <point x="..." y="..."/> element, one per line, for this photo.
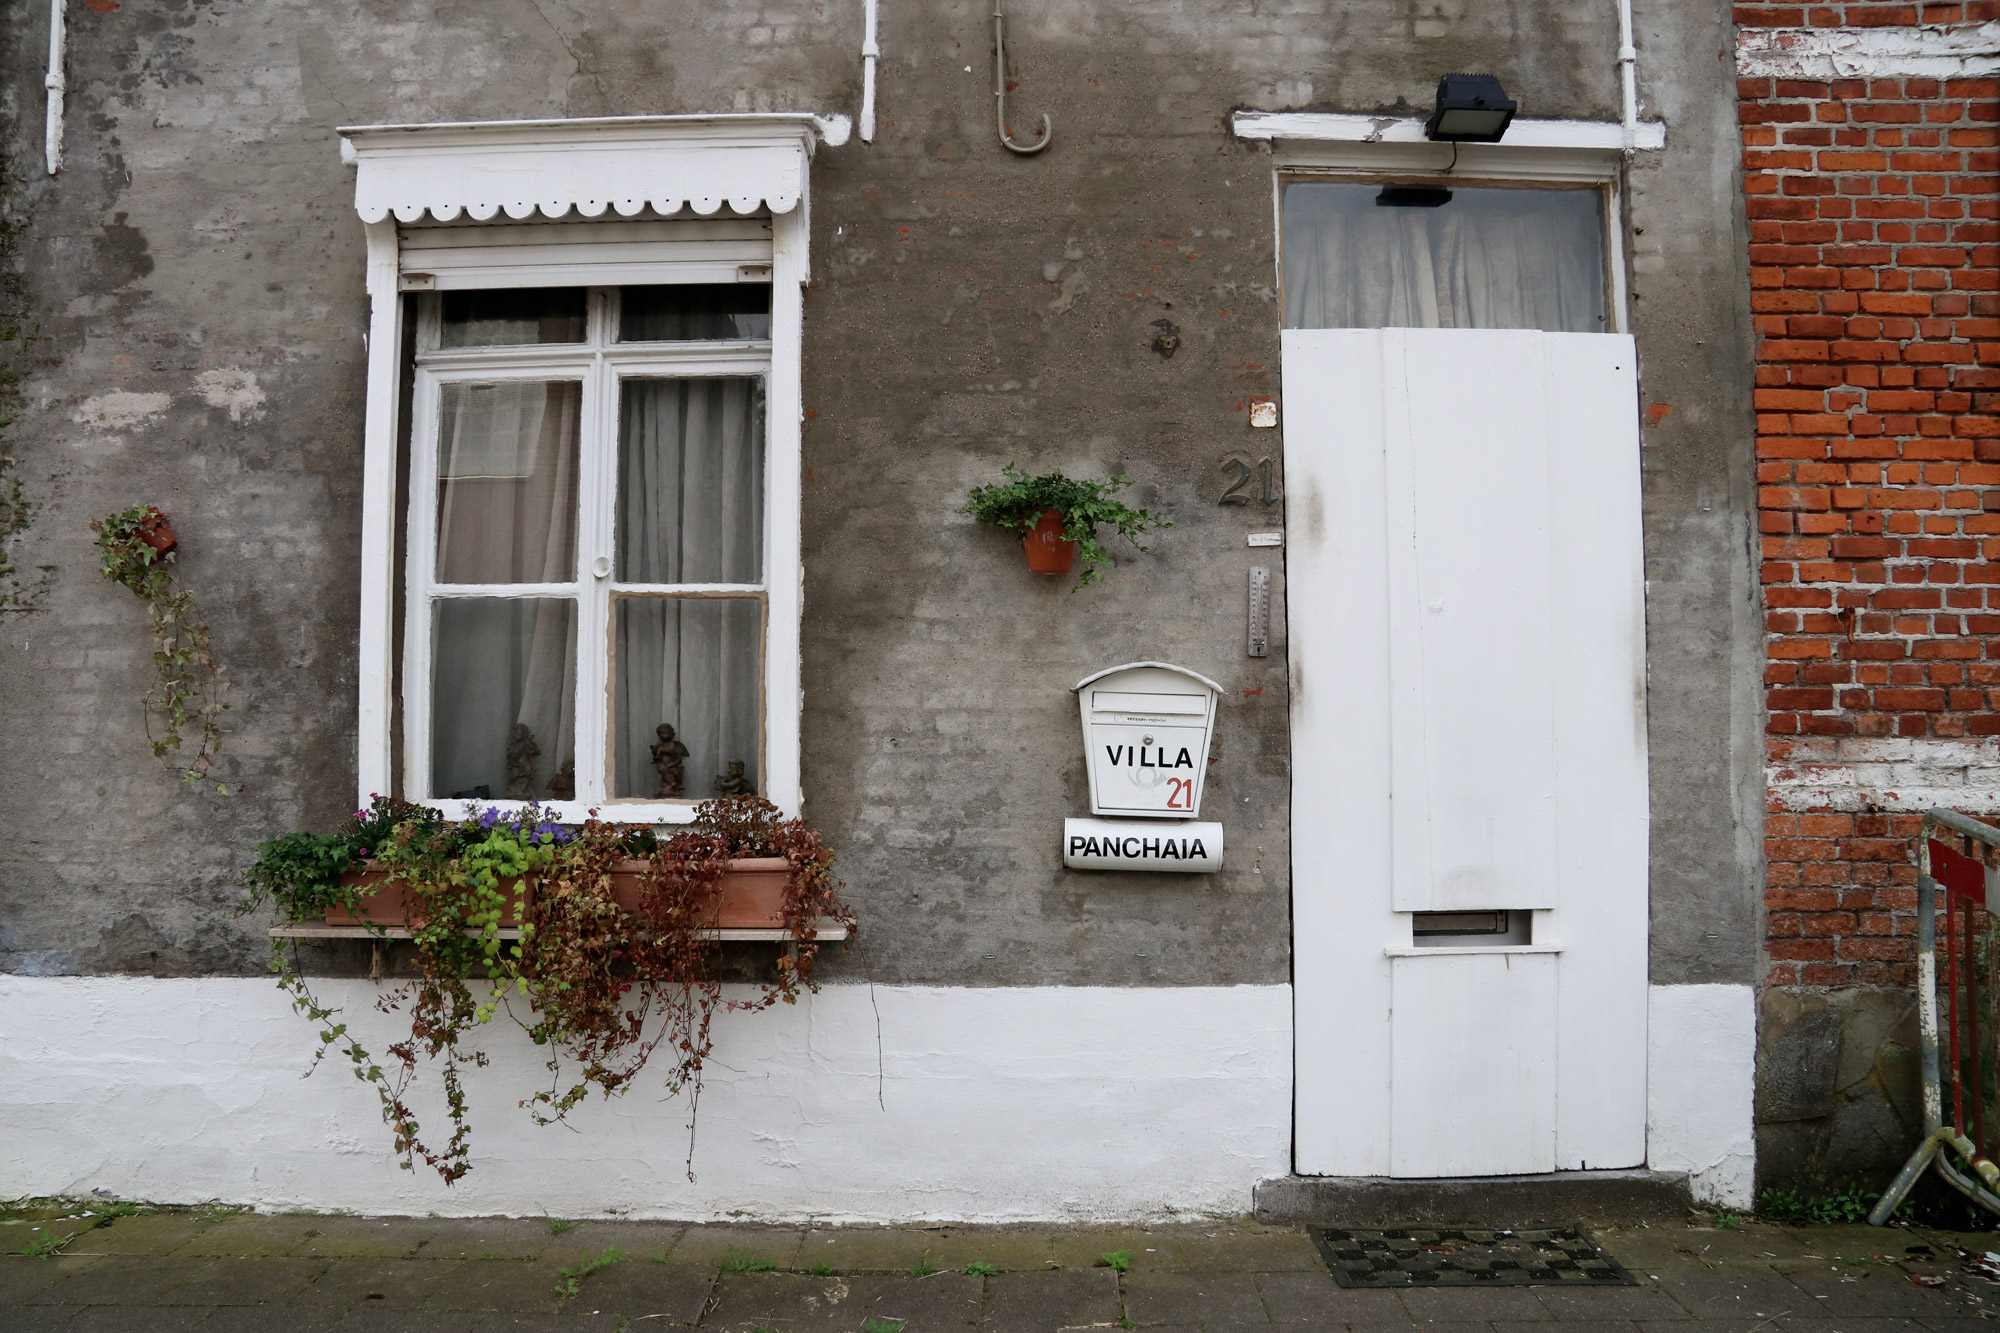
<point x="1146" y="729"/>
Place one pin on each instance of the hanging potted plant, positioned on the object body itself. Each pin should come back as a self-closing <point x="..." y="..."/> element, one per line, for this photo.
<point x="1057" y="517"/>
<point x="136" y="550"/>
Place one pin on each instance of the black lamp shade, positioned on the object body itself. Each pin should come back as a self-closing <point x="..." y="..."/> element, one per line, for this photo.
<point x="1471" y="108"/>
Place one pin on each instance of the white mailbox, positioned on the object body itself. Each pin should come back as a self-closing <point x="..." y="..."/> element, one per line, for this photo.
<point x="1146" y="728"/>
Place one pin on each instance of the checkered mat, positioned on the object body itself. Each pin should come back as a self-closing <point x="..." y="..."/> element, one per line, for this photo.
<point x="1467" y="1257"/>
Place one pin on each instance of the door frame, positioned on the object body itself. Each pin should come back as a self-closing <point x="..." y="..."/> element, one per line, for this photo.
<point x="1344" y="157"/>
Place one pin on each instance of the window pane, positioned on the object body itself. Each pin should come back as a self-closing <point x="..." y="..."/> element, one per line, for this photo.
<point x="691" y="481"/>
<point x="512" y="316"/>
<point x="694" y="310"/>
<point x="687" y="706"/>
<point x="503" y="698"/>
<point x="1372" y="257"/>
<point x="507" y="506"/>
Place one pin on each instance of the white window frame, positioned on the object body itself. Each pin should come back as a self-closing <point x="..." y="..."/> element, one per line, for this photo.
<point x="611" y="167"/>
<point x="1310" y="145"/>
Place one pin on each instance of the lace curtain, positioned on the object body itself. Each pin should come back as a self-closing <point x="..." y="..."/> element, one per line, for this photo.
<point x="690" y="510"/>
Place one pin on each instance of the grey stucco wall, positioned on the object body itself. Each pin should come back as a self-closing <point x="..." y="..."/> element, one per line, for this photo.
<point x="969" y="309"/>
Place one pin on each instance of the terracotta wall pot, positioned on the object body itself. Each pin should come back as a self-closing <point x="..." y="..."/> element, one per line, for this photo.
<point x="390" y="901"/>
<point x="751" y="893"/>
<point x="154" y="530"/>
<point x="1048" y="552"/>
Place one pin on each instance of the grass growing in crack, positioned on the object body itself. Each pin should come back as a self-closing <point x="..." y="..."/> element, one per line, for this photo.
<point x="218" y="1212"/>
<point x="821" y="1270"/>
<point x="923" y="1269"/>
<point x="1725" y="1220"/>
<point x="110" y="1212"/>
<point x="557" y="1226"/>
<point x="1118" y="1261"/>
<point x="739" y="1261"/>
<point x="977" y="1269"/>
<point x="874" y="1325"/>
<point x="569" y="1281"/>
<point x="46" y="1246"/>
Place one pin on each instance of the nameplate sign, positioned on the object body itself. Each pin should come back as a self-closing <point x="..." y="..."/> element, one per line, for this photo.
<point x="1190" y="847"/>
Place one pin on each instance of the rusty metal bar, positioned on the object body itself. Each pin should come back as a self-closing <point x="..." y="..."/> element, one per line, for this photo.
<point x="1967" y="935"/>
<point x="1951" y="1000"/>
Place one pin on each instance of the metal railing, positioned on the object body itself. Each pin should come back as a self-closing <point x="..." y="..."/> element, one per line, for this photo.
<point x="1958" y="1065"/>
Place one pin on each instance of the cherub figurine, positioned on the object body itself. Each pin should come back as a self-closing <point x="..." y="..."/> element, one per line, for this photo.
<point x="735" y="783"/>
<point x="668" y="761"/>
<point x="521" y="755"/>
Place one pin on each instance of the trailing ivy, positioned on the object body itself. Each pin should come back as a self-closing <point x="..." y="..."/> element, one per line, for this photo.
<point x="188" y="696"/>
<point x="1019" y="502"/>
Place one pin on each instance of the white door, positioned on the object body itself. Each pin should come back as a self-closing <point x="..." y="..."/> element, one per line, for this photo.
<point x="1465" y="585"/>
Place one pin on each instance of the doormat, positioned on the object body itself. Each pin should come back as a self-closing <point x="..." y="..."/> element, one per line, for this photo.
<point x="1467" y="1257"/>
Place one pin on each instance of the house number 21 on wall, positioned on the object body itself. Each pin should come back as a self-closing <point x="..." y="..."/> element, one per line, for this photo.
<point x="1243" y="471"/>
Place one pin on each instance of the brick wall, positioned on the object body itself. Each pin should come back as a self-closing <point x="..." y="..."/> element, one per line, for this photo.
<point x="1872" y="214"/>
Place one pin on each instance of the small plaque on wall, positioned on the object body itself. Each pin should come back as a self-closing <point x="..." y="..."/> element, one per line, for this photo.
<point x="1191" y="847"/>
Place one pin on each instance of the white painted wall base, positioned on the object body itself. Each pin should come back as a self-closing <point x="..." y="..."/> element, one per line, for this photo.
<point x="996" y="1105"/>
<point x="1701" y="1089"/>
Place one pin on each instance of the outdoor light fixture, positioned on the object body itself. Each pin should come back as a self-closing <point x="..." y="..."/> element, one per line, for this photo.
<point x="1413" y="196"/>
<point x="1471" y="108"/>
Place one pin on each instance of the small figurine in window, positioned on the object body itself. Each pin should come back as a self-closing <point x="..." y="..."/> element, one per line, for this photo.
<point x="562" y="787"/>
<point x="521" y="755"/>
<point x="669" y="757"/>
<point x="735" y="783"/>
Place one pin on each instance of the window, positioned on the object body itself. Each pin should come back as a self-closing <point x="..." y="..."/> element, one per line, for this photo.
<point x="588" y="641"/>
<point x="1385" y="255"/>
<point x="580" y="507"/>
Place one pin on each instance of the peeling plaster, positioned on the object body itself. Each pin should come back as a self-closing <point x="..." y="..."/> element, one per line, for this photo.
<point x="120" y="410"/>
<point x="1907" y="775"/>
<point x="234" y="389"/>
<point x="1935" y="51"/>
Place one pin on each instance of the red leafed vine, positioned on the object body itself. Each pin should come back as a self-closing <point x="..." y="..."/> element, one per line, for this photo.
<point x="602" y="985"/>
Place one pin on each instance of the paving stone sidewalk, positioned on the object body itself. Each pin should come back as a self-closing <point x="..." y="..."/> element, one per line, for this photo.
<point x="238" y="1273"/>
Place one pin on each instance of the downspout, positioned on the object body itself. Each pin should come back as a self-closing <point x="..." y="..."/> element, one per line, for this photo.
<point x="52" y="134"/>
<point x="1628" y="66"/>
<point x="868" y="53"/>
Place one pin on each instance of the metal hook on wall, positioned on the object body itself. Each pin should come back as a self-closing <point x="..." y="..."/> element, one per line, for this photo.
<point x="1000" y="92"/>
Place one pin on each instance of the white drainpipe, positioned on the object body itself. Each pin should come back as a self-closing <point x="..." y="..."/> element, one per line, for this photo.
<point x="868" y="53"/>
<point x="1628" y="65"/>
<point x="52" y="134"/>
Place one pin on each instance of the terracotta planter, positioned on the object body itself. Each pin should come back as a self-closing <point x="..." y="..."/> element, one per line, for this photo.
<point x="389" y="901"/>
<point x="751" y="895"/>
<point x="155" y="531"/>
<point x="1048" y="552"/>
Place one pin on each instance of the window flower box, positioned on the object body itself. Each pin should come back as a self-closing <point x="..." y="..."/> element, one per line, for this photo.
<point x="751" y="895"/>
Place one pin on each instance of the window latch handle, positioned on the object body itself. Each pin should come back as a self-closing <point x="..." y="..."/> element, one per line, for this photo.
<point x="601" y="566"/>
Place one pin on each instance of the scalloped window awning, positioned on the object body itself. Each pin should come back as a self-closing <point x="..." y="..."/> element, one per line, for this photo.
<point x="617" y="166"/>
